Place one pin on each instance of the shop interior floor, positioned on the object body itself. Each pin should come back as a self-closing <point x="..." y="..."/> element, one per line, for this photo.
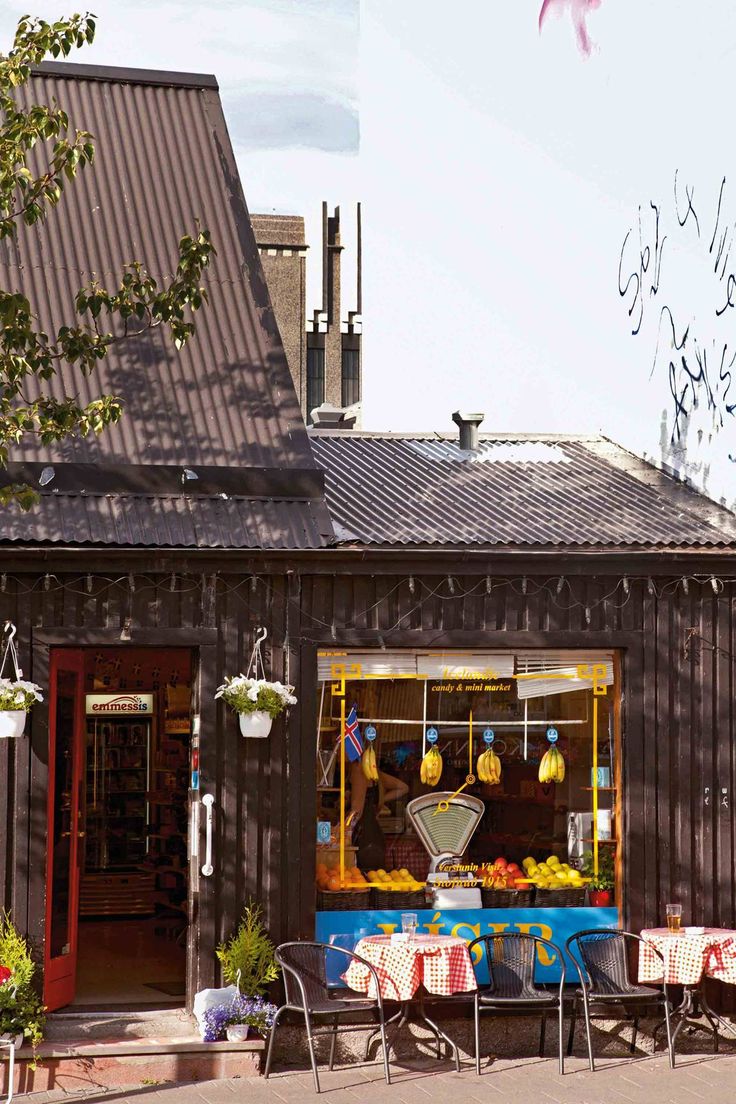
<point x="121" y="960"/>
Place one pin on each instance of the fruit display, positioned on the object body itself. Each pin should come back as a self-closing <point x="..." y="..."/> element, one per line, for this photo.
<point x="430" y="769"/>
<point x="328" y="878"/>
<point x="552" y="874"/>
<point x="552" y="766"/>
<point x="502" y="875"/>
<point x="369" y="763"/>
<point x="394" y="880"/>
<point x="488" y="767"/>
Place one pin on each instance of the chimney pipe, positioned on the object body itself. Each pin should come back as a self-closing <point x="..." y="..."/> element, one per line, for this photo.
<point x="468" y="424"/>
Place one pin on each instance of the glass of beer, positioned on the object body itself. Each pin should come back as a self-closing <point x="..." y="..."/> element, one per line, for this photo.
<point x="674" y="918"/>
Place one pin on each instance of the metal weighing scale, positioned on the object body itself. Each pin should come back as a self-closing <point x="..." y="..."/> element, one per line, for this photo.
<point x="445" y="823"/>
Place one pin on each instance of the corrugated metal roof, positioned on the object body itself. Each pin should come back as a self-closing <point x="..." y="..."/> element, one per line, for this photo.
<point x="167" y="521"/>
<point x="422" y="489"/>
<point x="163" y="160"/>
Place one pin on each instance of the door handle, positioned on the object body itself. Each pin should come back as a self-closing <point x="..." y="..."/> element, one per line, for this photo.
<point x="208" y="801"/>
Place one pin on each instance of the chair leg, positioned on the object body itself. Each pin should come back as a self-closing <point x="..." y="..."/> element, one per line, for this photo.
<point x="632" y="1048"/>
<point x="561" y="1037"/>
<point x="588" y="1036"/>
<point x="542" y="1034"/>
<point x="477" y="1035"/>
<point x="271" y="1039"/>
<point x="333" y="1040"/>
<point x="312" y="1056"/>
<point x="670" y="1040"/>
<point x="573" y="1018"/>
<point x="384" y="1045"/>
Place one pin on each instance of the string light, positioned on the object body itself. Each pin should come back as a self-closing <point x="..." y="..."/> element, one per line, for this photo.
<point x="587" y="615"/>
<point x="714" y="584"/>
<point x="626" y="586"/>
<point x="489" y="584"/>
<point x="172" y="585"/>
<point x="685" y="586"/>
<point x="131" y="583"/>
<point x="411" y="584"/>
<point x="3" y="582"/>
<point x="650" y="587"/>
<point x="89" y="584"/>
<point x="451" y="584"/>
<point x="560" y="584"/>
<point x="46" y="582"/>
<point x="523" y="585"/>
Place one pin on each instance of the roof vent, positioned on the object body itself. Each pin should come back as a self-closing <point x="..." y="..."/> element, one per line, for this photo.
<point x="327" y="416"/>
<point x="468" y="424"/>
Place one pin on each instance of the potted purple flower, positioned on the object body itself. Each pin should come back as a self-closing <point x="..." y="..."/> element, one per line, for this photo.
<point x="241" y="1018"/>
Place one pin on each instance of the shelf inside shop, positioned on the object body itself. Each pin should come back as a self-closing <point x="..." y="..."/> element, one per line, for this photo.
<point x="591" y="840"/>
<point x="601" y="789"/>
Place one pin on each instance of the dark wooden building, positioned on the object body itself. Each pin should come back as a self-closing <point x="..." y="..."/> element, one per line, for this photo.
<point x="158" y="549"/>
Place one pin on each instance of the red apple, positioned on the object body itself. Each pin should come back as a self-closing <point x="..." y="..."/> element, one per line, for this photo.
<point x="501" y="863"/>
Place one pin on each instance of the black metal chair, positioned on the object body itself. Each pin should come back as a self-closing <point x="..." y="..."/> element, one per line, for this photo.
<point x="304" y="969"/>
<point x="601" y="956"/>
<point x="512" y="959"/>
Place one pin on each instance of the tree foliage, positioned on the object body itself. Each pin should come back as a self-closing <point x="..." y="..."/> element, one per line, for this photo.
<point x="28" y="356"/>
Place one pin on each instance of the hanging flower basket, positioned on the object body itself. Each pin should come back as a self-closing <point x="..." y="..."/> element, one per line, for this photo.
<point x="257" y="701"/>
<point x="256" y="725"/>
<point x="17" y="696"/>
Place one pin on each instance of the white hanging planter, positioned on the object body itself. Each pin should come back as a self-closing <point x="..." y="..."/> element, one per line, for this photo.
<point x="246" y="693"/>
<point x="12" y="723"/>
<point x="255" y="725"/>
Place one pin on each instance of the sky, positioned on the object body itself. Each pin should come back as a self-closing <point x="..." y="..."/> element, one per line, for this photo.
<point x="516" y="193"/>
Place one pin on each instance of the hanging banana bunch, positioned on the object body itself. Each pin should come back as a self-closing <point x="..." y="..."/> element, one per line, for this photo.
<point x="430" y="769"/>
<point x="368" y="760"/>
<point x="488" y="767"/>
<point x="552" y="766"/>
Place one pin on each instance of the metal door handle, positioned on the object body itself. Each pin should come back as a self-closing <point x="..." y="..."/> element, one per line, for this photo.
<point x="208" y="801"/>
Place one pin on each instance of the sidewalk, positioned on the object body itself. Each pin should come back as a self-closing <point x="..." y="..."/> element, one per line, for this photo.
<point x="698" y="1077"/>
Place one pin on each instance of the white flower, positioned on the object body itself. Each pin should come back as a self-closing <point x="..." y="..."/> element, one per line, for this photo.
<point x="253" y="693"/>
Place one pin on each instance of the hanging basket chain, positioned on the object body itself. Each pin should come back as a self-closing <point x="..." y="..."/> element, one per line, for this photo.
<point x="10" y="651"/>
<point x="255" y="663"/>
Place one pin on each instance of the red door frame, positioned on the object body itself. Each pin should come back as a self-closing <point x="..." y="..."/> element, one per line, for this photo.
<point x="60" y="972"/>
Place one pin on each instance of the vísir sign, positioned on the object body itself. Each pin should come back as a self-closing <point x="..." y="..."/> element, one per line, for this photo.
<point x="106" y="705"/>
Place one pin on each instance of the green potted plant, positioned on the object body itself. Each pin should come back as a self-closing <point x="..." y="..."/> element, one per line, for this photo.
<point x="256" y="701"/>
<point x="602" y="884"/>
<point x="248" y="959"/>
<point x="21" y="1011"/>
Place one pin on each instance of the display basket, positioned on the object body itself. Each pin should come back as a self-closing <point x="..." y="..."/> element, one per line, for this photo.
<point x="342" y="900"/>
<point x="398" y="899"/>
<point x="560" y="898"/>
<point x="507" y="898"/>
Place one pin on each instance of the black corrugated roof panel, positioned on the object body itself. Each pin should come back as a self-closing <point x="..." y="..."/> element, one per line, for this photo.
<point x="422" y="489"/>
<point x="163" y="160"/>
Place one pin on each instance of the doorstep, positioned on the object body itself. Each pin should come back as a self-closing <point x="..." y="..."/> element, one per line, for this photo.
<point x="87" y="1064"/>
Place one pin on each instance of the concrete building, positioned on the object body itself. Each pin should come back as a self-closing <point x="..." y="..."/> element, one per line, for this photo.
<point x="323" y="347"/>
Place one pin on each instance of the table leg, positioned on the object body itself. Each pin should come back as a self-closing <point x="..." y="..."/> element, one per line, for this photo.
<point x="692" y="1004"/>
<point x="413" y="1011"/>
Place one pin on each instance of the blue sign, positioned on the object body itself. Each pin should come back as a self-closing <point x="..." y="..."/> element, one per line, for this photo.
<point x="324" y="831"/>
<point x="344" y="929"/>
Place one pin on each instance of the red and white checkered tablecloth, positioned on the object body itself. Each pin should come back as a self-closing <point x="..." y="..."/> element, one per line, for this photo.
<point x="687" y="958"/>
<point x="440" y="963"/>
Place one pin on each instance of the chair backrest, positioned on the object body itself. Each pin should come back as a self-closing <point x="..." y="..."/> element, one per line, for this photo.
<point x="305" y="963"/>
<point x="512" y="959"/>
<point x="603" y="953"/>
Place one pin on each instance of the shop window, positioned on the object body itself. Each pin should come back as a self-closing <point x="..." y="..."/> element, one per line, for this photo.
<point x="350" y="376"/>
<point x="315" y="378"/>
<point x="545" y="837"/>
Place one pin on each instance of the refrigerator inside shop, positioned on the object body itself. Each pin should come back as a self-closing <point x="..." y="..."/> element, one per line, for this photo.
<point x="118" y="781"/>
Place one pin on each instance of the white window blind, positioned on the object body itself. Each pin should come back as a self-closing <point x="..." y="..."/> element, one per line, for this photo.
<point x="557" y="672"/>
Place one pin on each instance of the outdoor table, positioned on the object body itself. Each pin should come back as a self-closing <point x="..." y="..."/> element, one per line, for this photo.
<point x="688" y="960"/>
<point x="10" y="1047"/>
<point x="437" y="964"/>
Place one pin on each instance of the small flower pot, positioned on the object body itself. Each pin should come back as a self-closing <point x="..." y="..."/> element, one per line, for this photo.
<point x="601" y="898"/>
<point x="256" y="725"/>
<point x="12" y="723"/>
<point x="237" y="1033"/>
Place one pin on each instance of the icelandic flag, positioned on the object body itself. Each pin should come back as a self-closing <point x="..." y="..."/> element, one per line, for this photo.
<point x="353" y="740"/>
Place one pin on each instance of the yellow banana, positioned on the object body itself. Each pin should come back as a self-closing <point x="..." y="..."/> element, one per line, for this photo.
<point x="552" y="766"/>
<point x="430" y="770"/>
<point x="369" y="764"/>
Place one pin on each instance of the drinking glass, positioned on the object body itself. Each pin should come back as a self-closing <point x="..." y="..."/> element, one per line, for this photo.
<point x="674" y="918"/>
<point x="409" y="924"/>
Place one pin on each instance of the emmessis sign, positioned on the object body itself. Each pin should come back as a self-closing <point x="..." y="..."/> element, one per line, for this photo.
<point x="119" y="704"/>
